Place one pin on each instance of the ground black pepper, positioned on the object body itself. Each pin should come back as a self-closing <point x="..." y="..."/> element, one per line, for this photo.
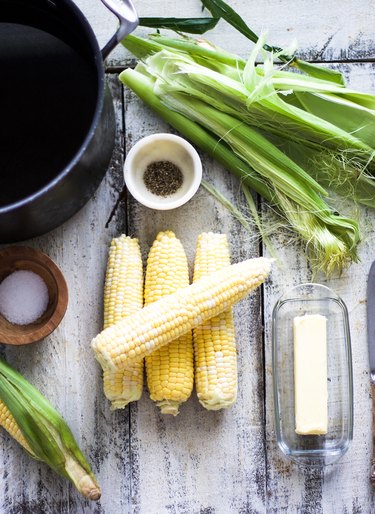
<point x="163" y="178"/>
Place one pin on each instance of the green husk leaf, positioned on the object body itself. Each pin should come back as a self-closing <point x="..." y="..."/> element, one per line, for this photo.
<point x="188" y="25"/>
<point x="337" y="172"/>
<point x="359" y="98"/>
<point x="141" y="47"/>
<point x="220" y="9"/>
<point x="254" y="101"/>
<point x="319" y="72"/>
<point x="249" y="144"/>
<point x="46" y="432"/>
<point x="347" y="115"/>
<point x="200" y="48"/>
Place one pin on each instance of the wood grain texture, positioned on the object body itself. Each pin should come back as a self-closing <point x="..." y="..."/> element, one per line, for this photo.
<point x="324" y="30"/>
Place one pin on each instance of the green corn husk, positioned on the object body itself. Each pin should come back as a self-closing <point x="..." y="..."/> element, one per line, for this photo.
<point x="46" y="432"/>
<point x="220" y="9"/>
<point x="250" y="93"/>
<point x="253" y="99"/>
<point x="317" y="71"/>
<point x="332" y="240"/>
<point x="347" y="178"/>
<point x="203" y="50"/>
<point x="353" y="117"/>
<point x="189" y="25"/>
<point x="290" y="136"/>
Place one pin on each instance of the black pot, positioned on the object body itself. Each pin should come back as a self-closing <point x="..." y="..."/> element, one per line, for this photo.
<point x="57" y="125"/>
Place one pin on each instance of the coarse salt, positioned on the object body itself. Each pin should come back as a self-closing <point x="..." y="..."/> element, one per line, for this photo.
<point x="23" y="297"/>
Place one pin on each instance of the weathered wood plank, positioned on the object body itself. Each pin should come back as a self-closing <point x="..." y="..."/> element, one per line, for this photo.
<point x="200" y="461"/>
<point x="324" y="30"/>
<point x="64" y="369"/>
<point x="344" y="486"/>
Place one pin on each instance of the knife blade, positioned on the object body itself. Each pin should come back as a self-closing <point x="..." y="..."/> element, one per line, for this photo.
<point x="371" y="351"/>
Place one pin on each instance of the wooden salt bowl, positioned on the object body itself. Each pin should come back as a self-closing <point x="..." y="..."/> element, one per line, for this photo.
<point x="14" y="258"/>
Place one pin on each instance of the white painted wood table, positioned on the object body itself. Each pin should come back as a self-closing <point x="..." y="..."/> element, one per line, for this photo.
<point x="200" y="462"/>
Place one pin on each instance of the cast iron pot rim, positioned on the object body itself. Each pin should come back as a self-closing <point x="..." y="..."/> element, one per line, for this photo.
<point x="95" y="120"/>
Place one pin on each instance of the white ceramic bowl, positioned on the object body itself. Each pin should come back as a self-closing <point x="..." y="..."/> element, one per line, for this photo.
<point x="162" y="147"/>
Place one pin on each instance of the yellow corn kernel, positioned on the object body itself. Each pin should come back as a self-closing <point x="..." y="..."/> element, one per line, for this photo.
<point x="123" y="295"/>
<point x="159" y="323"/>
<point x="8" y="422"/>
<point x="123" y="288"/>
<point x="169" y="370"/>
<point x="214" y="341"/>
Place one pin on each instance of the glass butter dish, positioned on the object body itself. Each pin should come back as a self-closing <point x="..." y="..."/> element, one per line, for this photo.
<point x="306" y="299"/>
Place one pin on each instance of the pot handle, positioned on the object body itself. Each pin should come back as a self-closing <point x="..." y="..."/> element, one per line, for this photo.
<point x="127" y="15"/>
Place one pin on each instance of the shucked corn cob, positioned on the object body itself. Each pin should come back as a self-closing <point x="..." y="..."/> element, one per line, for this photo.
<point x="32" y="420"/>
<point x="172" y="316"/>
<point x="214" y="341"/>
<point x="123" y="295"/>
<point x="170" y="370"/>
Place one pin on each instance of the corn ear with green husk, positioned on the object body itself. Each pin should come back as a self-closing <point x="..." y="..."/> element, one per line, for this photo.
<point x="291" y="137"/>
<point x="252" y="97"/>
<point x="48" y="437"/>
<point x="335" y="122"/>
<point x="332" y="239"/>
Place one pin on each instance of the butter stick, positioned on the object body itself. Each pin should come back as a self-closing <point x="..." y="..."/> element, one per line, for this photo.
<point x="310" y="374"/>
